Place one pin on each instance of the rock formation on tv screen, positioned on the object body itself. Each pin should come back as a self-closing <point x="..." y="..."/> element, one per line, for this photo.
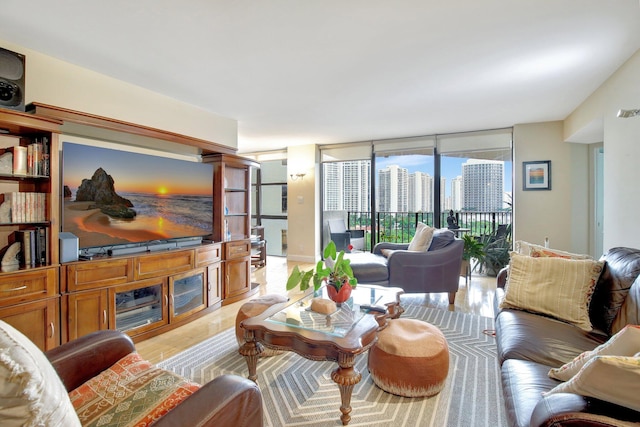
<point x="100" y="190"/>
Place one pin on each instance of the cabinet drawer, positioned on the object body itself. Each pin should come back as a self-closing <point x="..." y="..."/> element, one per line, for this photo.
<point x="28" y="286"/>
<point x="163" y="264"/>
<point x="237" y="249"/>
<point x="208" y="254"/>
<point x="97" y="274"/>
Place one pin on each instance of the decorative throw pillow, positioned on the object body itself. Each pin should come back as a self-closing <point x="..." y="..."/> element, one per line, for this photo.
<point x="537" y="251"/>
<point x="624" y="343"/>
<point x="441" y="239"/>
<point x="31" y="392"/>
<point x="422" y="239"/>
<point x="614" y="379"/>
<point x="558" y="287"/>
<point x="132" y="392"/>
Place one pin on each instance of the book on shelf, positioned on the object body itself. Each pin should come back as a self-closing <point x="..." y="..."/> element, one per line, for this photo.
<point x="34" y="244"/>
<point x="19" y="159"/>
<point x="31" y="160"/>
<point x="26" y="207"/>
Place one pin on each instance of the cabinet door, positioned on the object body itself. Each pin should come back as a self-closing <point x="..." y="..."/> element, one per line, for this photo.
<point x="37" y="320"/>
<point x="139" y="307"/>
<point x="86" y="312"/>
<point x="214" y="284"/>
<point x="187" y="294"/>
<point x="237" y="277"/>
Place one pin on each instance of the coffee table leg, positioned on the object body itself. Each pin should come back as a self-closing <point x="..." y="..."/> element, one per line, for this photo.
<point x="346" y="376"/>
<point x="251" y="350"/>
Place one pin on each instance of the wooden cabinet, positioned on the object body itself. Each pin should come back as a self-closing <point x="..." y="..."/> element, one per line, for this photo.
<point x="211" y="257"/>
<point x="142" y="295"/>
<point x="37" y="320"/>
<point x="29" y="294"/>
<point x="140" y="306"/>
<point x="232" y="222"/>
<point x="87" y="312"/>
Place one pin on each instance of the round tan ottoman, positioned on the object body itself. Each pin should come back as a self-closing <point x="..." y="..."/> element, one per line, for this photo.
<point x="253" y="308"/>
<point x="410" y="359"/>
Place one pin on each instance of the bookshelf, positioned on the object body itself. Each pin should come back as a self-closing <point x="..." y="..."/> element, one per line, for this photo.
<point x="30" y="295"/>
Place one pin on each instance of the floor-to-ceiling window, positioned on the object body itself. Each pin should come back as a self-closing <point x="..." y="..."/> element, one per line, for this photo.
<point x="405" y="187"/>
<point x="269" y="203"/>
<point x="419" y="179"/>
<point x="477" y="175"/>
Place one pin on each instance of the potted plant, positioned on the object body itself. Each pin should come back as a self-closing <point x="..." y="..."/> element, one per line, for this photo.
<point x="335" y="270"/>
<point x="473" y="248"/>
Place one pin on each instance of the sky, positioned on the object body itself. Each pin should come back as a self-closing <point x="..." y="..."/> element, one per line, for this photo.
<point x="136" y="173"/>
<point x="451" y="167"/>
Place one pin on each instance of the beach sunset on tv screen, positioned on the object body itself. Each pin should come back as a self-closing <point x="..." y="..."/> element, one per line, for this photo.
<point x="172" y="198"/>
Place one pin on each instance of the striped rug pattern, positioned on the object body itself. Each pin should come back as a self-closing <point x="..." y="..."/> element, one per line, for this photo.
<point x="300" y="392"/>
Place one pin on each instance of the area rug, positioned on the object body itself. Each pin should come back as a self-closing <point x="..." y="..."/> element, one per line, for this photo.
<point x="300" y="392"/>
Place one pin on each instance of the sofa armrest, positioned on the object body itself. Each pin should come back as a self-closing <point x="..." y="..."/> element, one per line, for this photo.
<point x="566" y="409"/>
<point x="228" y="400"/>
<point x="377" y="249"/>
<point x="501" y="278"/>
<point x="82" y="359"/>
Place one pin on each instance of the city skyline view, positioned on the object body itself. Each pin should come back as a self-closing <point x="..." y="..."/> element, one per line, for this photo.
<point x="450" y="168"/>
<point x="404" y="183"/>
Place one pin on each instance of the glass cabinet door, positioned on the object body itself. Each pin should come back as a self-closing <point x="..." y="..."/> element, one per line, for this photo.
<point x="139" y="306"/>
<point x="187" y="293"/>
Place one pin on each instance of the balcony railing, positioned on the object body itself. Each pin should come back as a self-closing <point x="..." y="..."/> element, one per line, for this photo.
<point x="399" y="227"/>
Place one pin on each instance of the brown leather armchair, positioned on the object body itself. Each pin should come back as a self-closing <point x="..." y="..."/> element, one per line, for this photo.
<point x="226" y="401"/>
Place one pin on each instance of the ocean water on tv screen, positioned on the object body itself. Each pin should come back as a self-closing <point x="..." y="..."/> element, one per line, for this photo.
<point x="190" y="210"/>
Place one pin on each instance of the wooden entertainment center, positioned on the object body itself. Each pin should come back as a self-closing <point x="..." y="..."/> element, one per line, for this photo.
<point x="143" y="294"/>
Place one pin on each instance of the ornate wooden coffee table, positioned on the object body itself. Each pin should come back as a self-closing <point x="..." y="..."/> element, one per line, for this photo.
<point x="338" y="337"/>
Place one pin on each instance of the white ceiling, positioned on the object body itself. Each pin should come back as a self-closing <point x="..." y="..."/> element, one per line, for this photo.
<point x="329" y="71"/>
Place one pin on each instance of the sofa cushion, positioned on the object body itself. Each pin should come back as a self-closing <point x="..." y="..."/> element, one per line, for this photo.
<point x="31" y="392"/>
<point x="441" y="239"/>
<point x="523" y="383"/>
<point x="552" y="286"/>
<point x="368" y="267"/>
<point x="131" y="392"/>
<point x="537" y="251"/>
<point x="624" y="343"/>
<point x="614" y="379"/>
<point x="422" y="239"/>
<point x="529" y="336"/>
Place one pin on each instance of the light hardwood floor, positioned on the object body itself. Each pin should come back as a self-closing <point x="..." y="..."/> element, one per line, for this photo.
<point x="476" y="298"/>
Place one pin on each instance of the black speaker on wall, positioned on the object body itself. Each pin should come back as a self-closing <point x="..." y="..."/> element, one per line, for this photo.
<point x="11" y="80"/>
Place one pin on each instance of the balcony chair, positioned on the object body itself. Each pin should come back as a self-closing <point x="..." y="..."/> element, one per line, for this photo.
<point x="436" y="269"/>
<point x="343" y="237"/>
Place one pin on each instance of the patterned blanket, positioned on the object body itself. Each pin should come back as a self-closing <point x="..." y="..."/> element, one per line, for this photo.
<point x="133" y="392"/>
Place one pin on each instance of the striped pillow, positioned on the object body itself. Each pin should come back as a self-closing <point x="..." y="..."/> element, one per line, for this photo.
<point x="557" y="287"/>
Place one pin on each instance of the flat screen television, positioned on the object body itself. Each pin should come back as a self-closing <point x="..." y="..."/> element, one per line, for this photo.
<point x="153" y="199"/>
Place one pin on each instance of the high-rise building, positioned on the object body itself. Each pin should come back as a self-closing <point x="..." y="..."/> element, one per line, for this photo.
<point x="392" y="189"/>
<point x="482" y="185"/>
<point x="456" y="193"/>
<point x="419" y="193"/>
<point x="347" y="186"/>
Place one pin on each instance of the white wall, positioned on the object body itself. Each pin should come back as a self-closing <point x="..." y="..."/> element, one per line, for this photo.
<point x="303" y="198"/>
<point x="621" y="141"/>
<point x="562" y="214"/>
<point x="54" y="82"/>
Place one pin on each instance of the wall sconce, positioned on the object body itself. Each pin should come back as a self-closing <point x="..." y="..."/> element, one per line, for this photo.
<point x="297" y="176"/>
<point x="628" y="113"/>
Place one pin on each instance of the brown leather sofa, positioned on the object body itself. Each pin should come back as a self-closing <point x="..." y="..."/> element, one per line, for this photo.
<point x="529" y="344"/>
<point x="228" y="400"/>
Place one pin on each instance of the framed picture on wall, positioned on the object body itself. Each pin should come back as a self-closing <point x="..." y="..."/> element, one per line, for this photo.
<point x="536" y="175"/>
